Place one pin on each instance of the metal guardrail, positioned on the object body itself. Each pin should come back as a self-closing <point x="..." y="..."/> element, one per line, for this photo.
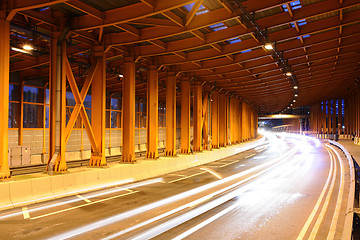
<point x="348" y="232"/>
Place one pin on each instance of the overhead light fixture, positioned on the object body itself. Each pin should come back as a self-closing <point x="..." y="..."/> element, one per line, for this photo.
<point x="295" y="87"/>
<point x="294" y="100"/>
<point x="291" y="104"/>
<point x="120" y="75"/>
<point x="288" y="74"/>
<point x="28" y="47"/>
<point x="296" y="95"/>
<point x="269" y="46"/>
<point x="19" y="50"/>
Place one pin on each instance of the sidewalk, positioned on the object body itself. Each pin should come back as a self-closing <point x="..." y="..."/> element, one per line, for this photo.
<point x="353" y="148"/>
<point x="27" y="189"/>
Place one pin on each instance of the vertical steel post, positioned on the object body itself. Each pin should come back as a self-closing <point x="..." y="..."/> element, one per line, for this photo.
<point x="152" y="113"/>
<point x="215" y="120"/>
<point x="4" y="94"/>
<point x="128" y="106"/>
<point x="204" y="121"/>
<point x="98" y="98"/>
<point x="170" y="114"/>
<point x="197" y="108"/>
<point x="222" y="120"/>
<point x="185" y="115"/>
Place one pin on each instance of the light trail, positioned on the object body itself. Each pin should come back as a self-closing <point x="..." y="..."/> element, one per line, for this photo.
<point x="121" y="216"/>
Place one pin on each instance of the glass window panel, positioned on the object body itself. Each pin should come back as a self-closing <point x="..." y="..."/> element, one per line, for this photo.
<point x="47" y="93"/>
<point x="87" y="101"/>
<point x="13" y="115"/>
<point x="137" y="120"/>
<point x="47" y="117"/>
<point x="143" y="107"/>
<point x="142" y="120"/>
<point x="70" y="100"/>
<point x="115" y="119"/>
<point x="137" y="107"/>
<point x="107" y="104"/>
<point x="33" y="116"/>
<point x="107" y="119"/>
<point x="14" y="93"/>
<point x="33" y="94"/>
<point x="115" y="104"/>
<point x="88" y="111"/>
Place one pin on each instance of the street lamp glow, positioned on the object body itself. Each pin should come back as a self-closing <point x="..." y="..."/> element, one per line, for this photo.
<point x="28" y="47"/>
<point x="269" y="46"/>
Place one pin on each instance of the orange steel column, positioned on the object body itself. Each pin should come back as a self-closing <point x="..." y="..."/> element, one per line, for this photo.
<point x="128" y="106"/>
<point x="340" y="130"/>
<point x="232" y="120"/>
<point x="98" y="98"/>
<point x="215" y="120"/>
<point x="334" y="126"/>
<point x="170" y="114"/>
<point x="185" y="115"/>
<point x="243" y="122"/>
<point x="197" y="110"/>
<point x="222" y="120"/>
<point x="240" y="121"/>
<point x="152" y="113"/>
<point x="205" y="122"/>
<point x="329" y="116"/>
<point x="4" y="92"/>
<point x="52" y="87"/>
<point x="252" y="125"/>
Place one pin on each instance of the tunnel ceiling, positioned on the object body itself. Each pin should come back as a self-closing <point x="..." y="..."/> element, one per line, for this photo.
<point x="218" y="42"/>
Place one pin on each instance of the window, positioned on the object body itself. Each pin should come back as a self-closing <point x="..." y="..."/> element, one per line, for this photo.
<point x="162" y="116"/>
<point x="33" y="116"/>
<point x="33" y="94"/>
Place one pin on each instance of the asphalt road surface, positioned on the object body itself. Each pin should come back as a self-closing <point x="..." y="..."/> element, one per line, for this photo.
<point x="288" y="188"/>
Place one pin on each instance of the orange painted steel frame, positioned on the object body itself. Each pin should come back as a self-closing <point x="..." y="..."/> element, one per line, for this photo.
<point x="128" y="148"/>
<point x="170" y="114"/>
<point x="4" y="94"/>
<point x="197" y="108"/>
<point x="152" y="113"/>
<point x="215" y="120"/>
<point x="185" y="115"/>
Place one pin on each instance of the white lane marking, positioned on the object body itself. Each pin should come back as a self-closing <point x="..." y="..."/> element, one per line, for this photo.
<point x="229" y="163"/>
<point x="250" y="155"/>
<point x="325" y="207"/>
<point x="212" y="172"/>
<point x="25" y="212"/>
<point x="82" y="198"/>
<point x="179" y="179"/>
<point x="332" y="231"/>
<point x="316" y="207"/>
<point x="83" y="205"/>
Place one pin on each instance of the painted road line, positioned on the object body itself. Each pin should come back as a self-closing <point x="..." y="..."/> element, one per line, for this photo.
<point x="325" y="207"/>
<point x="334" y="221"/>
<point x="83" y="205"/>
<point x="317" y="205"/>
<point x="82" y="198"/>
<point x="179" y="179"/>
<point x="250" y="155"/>
<point x="25" y="212"/>
<point x="212" y="172"/>
<point x="229" y="163"/>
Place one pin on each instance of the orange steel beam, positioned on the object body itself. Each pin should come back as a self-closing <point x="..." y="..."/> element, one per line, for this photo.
<point x="4" y="98"/>
<point x="152" y="113"/>
<point x="98" y="98"/>
<point x="125" y="14"/>
<point x="215" y="120"/>
<point x="170" y="114"/>
<point x="197" y="113"/>
<point x="185" y="115"/>
<point x="128" y="106"/>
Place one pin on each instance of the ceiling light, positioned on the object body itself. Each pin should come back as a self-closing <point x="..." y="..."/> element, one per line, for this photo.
<point x="296" y="95"/>
<point x="269" y="46"/>
<point x="295" y="87"/>
<point x="294" y="100"/>
<point x="18" y="50"/>
<point x="120" y="75"/>
<point x="28" y="47"/>
<point x="288" y="74"/>
<point x="291" y="104"/>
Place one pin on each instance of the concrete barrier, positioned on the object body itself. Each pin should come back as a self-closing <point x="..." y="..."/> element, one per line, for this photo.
<point x="5" y="201"/>
<point x="41" y="189"/>
<point x="57" y="186"/>
<point x="20" y="193"/>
